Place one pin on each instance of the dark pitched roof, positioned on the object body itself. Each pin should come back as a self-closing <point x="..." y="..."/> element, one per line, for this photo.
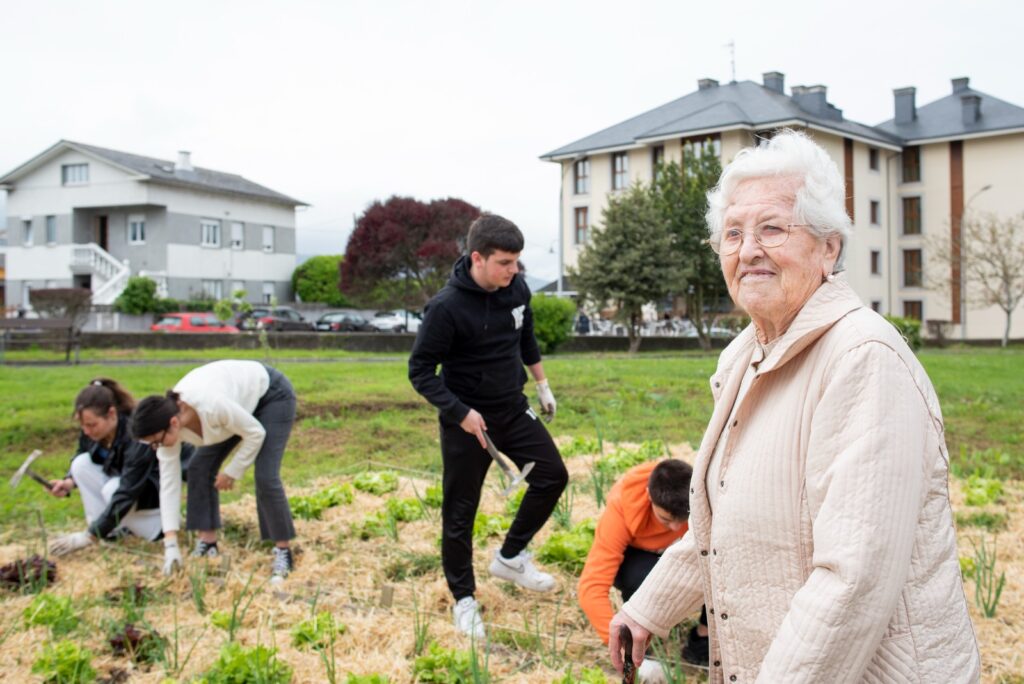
<point x="944" y="118"/>
<point x="742" y="103"/>
<point x="163" y="171"/>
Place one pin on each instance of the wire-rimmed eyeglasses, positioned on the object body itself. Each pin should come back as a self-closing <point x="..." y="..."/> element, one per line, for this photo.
<point x="767" y="235"/>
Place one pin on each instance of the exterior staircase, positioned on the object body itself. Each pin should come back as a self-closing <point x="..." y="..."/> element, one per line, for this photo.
<point x="109" y="276"/>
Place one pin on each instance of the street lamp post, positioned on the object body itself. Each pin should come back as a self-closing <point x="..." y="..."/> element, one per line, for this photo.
<point x="960" y="257"/>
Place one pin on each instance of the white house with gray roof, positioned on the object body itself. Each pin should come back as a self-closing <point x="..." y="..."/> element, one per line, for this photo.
<point x="909" y="178"/>
<point x="86" y="216"/>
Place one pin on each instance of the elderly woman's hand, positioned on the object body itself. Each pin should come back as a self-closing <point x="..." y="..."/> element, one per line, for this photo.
<point x="641" y="637"/>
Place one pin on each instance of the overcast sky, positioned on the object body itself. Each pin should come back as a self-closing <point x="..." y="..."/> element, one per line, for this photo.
<point x="341" y="103"/>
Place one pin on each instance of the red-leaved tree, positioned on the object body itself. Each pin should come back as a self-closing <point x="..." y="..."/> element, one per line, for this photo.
<point x="401" y="251"/>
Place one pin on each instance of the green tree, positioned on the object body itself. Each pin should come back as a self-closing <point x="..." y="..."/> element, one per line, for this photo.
<point x="631" y="260"/>
<point x="680" y="195"/>
<point x="228" y="310"/>
<point x="138" y="297"/>
<point x="552" y="320"/>
<point x="318" y="279"/>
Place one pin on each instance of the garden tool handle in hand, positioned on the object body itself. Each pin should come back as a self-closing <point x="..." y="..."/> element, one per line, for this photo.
<point x="626" y="642"/>
<point x="502" y="461"/>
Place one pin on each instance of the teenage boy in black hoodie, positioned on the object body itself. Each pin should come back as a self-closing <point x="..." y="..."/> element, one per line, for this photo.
<point x="479" y="329"/>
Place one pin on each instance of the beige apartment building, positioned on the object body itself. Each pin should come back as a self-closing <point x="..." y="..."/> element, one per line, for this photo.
<point x="910" y="180"/>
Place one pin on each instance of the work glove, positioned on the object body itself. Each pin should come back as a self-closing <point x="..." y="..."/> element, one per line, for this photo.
<point x="172" y="557"/>
<point x="69" y="543"/>
<point x="547" y="401"/>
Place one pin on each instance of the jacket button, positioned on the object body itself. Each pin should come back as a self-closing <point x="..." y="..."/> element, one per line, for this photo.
<point x="718" y="663"/>
<point x="703" y="552"/>
<point x="714" y="552"/>
<point x="735" y="423"/>
<point x="691" y="490"/>
<point x="711" y="610"/>
<point x="725" y="616"/>
<point x="732" y="678"/>
<point x="722" y="483"/>
<point x="718" y="384"/>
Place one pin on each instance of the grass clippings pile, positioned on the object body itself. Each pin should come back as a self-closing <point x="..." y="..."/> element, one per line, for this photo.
<point x="368" y="601"/>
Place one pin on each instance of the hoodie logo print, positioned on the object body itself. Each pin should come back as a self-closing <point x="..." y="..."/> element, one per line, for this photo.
<point x="517" y="315"/>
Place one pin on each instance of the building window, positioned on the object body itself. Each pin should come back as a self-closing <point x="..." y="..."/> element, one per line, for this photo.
<point x="209" y="231"/>
<point x="268" y="293"/>
<point x="268" y="238"/>
<point x="26" y="232"/>
<point x="51" y="230"/>
<point x="701" y="144"/>
<point x="873" y="158"/>
<point x="876" y="305"/>
<point x="913" y="309"/>
<point x="876" y="262"/>
<point x="213" y="289"/>
<point x="911" y="215"/>
<point x="237" y="235"/>
<point x="876" y="213"/>
<point x="657" y="161"/>
<point x="137" y="229"/>
<point x="911" y="164"/>
<point x="582" y="224"/>
<point x="620" y="171"/>
<point x="912" y="268"/>
<point x="74" y="174"/>
<point x="581" y="176"/>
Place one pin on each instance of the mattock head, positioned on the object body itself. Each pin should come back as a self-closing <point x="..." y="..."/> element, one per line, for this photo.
<point x="20" y="472"/>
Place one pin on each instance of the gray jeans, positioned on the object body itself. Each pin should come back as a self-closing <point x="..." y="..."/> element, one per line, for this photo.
<point x="276" y="413"/>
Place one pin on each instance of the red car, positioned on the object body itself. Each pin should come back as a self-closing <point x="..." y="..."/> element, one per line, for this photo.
<point x="192" y="322"/>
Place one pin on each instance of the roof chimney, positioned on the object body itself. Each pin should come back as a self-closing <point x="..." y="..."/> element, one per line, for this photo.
<point x="960" y="84"/>
<point x="184" y="161"/>
<point x="811" y="99"/>
<point x="706" y="83"/>
<point x="971" y="107"/>
<point x="774" y="80"/>
<point x="906" y="110"/>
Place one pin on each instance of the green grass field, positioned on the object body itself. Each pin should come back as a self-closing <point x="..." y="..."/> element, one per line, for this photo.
<point x="353" y="410"/>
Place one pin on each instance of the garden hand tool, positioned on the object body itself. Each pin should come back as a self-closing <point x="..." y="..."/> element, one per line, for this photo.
<point x="26" y="469"/>
<point x="507" y="466"/>
<point x="628" y="668"/>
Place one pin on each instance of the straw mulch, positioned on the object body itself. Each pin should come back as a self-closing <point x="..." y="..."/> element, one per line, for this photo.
<point x="534" y="638"/>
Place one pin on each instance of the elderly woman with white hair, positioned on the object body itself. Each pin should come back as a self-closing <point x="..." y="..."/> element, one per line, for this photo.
<point x="821" y="535"/>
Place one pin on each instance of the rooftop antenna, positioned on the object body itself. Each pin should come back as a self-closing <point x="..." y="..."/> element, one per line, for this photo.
<point x="732" y="58"/>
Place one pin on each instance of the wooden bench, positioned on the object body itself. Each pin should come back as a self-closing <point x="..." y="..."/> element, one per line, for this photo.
<point x="51" y="333"/>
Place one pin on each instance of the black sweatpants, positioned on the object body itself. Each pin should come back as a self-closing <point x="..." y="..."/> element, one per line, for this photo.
<point x="523" y="438"/>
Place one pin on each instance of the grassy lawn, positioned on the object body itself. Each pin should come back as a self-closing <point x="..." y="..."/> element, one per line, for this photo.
<point x="355" y="410"/>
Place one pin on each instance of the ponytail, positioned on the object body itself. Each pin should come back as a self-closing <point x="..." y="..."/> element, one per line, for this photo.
<point x="154" y="414"/>
<point x="101" y="395"/>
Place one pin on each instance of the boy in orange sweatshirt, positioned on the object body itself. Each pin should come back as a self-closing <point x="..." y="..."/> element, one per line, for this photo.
<point x="646" y="511"/>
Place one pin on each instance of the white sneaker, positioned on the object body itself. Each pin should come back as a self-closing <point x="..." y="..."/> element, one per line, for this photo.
<point x="651" y="672"/>
<point x="467" y="618"/>
<point x="522" y="571"/>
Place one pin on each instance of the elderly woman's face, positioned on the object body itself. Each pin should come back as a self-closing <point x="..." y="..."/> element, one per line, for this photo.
<point x="773" y="283"/>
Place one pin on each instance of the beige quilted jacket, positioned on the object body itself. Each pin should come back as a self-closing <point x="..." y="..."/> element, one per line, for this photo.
<point x="831" y="555"/>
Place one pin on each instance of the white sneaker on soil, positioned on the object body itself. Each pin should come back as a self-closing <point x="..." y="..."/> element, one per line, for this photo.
<point x="467" y="618"/>
<point x="651" y="672"/>
<point x="282" y="565"/>
<point x="521" y="571"/>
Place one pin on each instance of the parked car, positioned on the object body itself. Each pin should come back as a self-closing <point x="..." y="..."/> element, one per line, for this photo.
<point x="191" y="321"/>
<point x="343" y="321"/>
<point x="274" y="318"/>
<point x="396" y="321"/>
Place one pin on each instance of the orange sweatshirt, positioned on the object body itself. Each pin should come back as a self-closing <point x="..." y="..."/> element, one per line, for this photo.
<point x="627" y="520"/>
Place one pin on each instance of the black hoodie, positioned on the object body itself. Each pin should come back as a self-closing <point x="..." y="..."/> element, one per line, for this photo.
<point x="481" y="340"/>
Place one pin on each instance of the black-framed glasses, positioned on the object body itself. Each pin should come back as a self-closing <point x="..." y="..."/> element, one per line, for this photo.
<point x="767" y="235"/>
<point x="157" y="443"/>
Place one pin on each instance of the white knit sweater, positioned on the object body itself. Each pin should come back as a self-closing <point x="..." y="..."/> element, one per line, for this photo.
<point x="223" y="394"/>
